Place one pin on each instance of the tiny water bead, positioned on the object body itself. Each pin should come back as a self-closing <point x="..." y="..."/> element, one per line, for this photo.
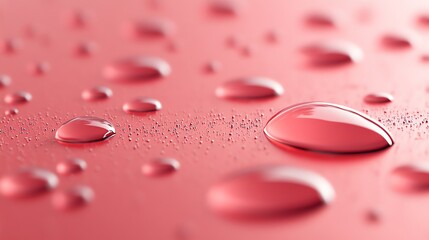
<point x="270" y="192"/>
<point x="213" y="67"/>
<point x="411" y="177"/>
<point x="10" y="45"/>
<point x="85" y="48"/>
<point x="11" y="112"/>
<point x="333" y="52"/>
<point x="250" y="87"/>
<point x="326" y="127"/>
<point x="71" y="166"/>
<point x="397" y="41"/>
<point x="320" y="19"/>
<point x="150" y="28"/>
<point x="96" y="93"/>
<point x="225" y="7"/>
<point x="18" y="97"/>
<point x="84" y="130"/>
<point x="27" y="182"/>
<point x="378" y="98"/>
<point x="5" y="81"/>
<point x="160" y="167"/>
<point x="72" y="198"/>
<point x="137" y="68"/>
<point x="141" y="105"/>
<point x="39" y="68"/>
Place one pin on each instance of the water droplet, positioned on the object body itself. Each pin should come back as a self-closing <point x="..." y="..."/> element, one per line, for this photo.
<point x="411" y="177"/>
<point x="378" y="98"/>
<point x="225" y="7"/>
<point x="17" y="97"/>
<point x="27" y="182"/>
<point x="5" y="81"/>
<point x="333" y="53"/>
<point x="141" y="105"/>
<point x="250" y="87"/>
<point x="39" y="68"/>
<point x="319" y="19"/>
<point x="423" y="19"/>
<point x="326" y="127"/>
<point x="96" y="93"/>
<point x="150" y="28"/>
<point x="160" y="167"/>
<point x="85" y="130"/>
<point x="72" y="198"/>
<point x="397" y="41"/>
<point x="213" y="67"/>
<point x="86" y="48"/>
<point x="270" y="192"/>
<point x="78" y="18"/>
<point x="11" y="112"/>
<point x="71" y="166"/>
<point x="137" y="68"/>
<point x="10" y="45"/>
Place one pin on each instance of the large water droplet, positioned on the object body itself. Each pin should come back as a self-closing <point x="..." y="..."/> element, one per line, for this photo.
<point x="150" y="28"/>
<point x="328" y="53"/>
<point x="27" y="182"/>
<point x="5" y="81"/>
<point x="96" y="93"/>
<point x="326" y="127"/>
<point x="160" y="167"/>
<point x="137" y="68"/>
<point x="141" y="105"/>
<point x="270" y="192"/>
<point x="85" y="130"/>
<point x="71" y="166"/>
<point x="411" y="177"/>
<point x="376" y="98"/>
<point x="17" y="97"/>
<point x="72" y="198"/>
<point x="250" y="87"/>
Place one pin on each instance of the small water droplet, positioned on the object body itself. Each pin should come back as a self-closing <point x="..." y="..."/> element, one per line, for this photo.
<point x="137" y="68"/>
<point x="150" y="28"/>
<point x="411" y="177"/>
<point x="17" y="97"/>
<point x="85" y="130"/>
<point x="5" y="81"/>
<point x="39" y="68"/>
<point x="160" y="167"/>
<point x="213" y="67"/>
<point x="250" y="87"/>
<point x="328" y="53"/>
<point x="319" y="19"/>
<point x="72" y="198"/>
<point x="380" y="97"/>
<point x="96" y="93"/>
<point x="78" y="18"/>
<point x="10" y="45"/>
<point x="225" y="7"/>
<point x="397" y="41"/>
<point x="86" y="48"/>
<point x="27" y="182"/>
<point x="141" y="105"/>
<point x="71" y="166"/>
<point x="11" y="112"/>
<point x="270" y="192"/>
<point x="326" y="127"/>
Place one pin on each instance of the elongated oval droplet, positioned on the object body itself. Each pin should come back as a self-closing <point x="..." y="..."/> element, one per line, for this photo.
<point x="19" y="97"/>
<point x="327" y="127"/>
<point x="250" y="87"/>
<point x="225" y="7"/>
<point x="160" y="167"/>
<point x="27" y="182"/>
<point x="327" y="53"/>
<point x="85" y="130"/>
<point x="72" y="198"/>
<point x="96" y="93"/>
<point x="137" y="68"/>
<point x="71" y="166"/>
<point x="320" y="19"/>
<point x="141" y="105"/>
<point x="377" y="98"/>
<point x="150" y="28"/>
<point x="397" y="41"/>
<point x="411" y="177"/>
<point x="270" y="192"/>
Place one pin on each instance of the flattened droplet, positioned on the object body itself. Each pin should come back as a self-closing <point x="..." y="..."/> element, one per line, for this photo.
<point x="71" y="166"/>
<point x="27" y="182"/>
<point x="225" y="7"/>
<point x="19" y="97"/>
<point x="411" y="177"/>
<point x="160" y="167"/>
<point x="72" y="198"/>
<point x="137" y="69"/>
<point x="270" y="192"/>
<point x="397" y="41"/>
<point x="141" y="105"/>
<point x="327" y="53"/>
<point x="85" y="130"/>
<point x="150" y="28"/>
<point x="96" y="93"/>
<point x="250" y="87"/>
<point x="326" y="127"/>
<point x="377" y="98"/>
